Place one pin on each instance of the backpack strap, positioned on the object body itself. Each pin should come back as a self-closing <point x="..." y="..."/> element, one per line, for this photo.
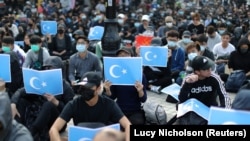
<point x="40" y="56"/>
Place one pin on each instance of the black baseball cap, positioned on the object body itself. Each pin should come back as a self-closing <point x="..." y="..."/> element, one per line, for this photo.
<point x="125" y="49"/>
<point x="91" y="79"/>
<point x="202" y="63"/>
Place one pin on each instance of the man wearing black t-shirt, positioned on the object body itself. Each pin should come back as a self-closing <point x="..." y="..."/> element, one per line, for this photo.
<point x="90" y="107"/>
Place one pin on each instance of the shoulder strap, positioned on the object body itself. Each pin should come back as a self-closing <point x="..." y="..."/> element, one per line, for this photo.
<point x="40" y="56"/>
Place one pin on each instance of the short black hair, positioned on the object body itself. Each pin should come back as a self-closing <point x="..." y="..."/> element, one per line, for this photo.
<point x="35" y="39"/>
<point x="202" y="38"/>
<point x="8" y="40"/>
<point x="226" y="33"/>
<point x="173" y="33"/>
<point x="82" y="37"/>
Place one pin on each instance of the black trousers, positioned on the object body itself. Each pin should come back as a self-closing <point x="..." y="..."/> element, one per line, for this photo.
<point x="44" y="120"/>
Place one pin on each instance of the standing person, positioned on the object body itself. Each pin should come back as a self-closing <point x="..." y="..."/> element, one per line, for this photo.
<point x="10" y="129"/>
<point x="82" y="61"/>
<point x="60" y="44"/>
<point x="38" y="120"/>
<point x="91" y="107"/>
<point x="129" y="98"/>
<point x="36" y="55"/>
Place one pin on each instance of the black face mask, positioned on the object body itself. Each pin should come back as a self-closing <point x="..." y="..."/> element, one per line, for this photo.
<point x="60" y="31"/>
<point x="87" y="94"/>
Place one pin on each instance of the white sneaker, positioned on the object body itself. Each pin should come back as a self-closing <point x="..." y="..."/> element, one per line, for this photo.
<point x="155" y="89"/>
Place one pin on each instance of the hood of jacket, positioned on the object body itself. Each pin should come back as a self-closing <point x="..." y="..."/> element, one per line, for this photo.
<point x="241" y="100"/>
<point x="5" y="115"/>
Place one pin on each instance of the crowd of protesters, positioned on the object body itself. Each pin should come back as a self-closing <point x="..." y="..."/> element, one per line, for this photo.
<point x="188" y="27"/>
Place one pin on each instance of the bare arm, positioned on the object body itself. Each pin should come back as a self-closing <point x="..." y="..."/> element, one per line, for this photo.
<point x="56" y="127"/>
<point x="126" y="125"/>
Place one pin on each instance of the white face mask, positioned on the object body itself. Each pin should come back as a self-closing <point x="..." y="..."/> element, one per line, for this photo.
<point x="169" y="24"/>
<point x="192" y="55"/>
<point x="120" y="21"/>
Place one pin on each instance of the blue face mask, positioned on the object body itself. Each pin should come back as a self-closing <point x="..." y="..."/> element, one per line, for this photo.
<point x="221" y="31"/>
<point x="202" y="48"/>
<point x="136" y="24"/>
<point x="34" y="48"/>
<point x="80" y="47"/>
<point x="186" y="40"/>
<point x="192" y="55"/>
<point x="172" y="44"/>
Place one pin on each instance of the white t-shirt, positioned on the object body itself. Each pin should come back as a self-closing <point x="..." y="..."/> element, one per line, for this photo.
<point x="218" y="50"/>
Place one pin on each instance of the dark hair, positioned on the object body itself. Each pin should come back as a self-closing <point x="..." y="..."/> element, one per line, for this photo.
<point x="173" y="33"/>
<point x="202" y="38"/>
<point x="226" y="33"/>
<point x="210" y="29"/>
<point x="193" y="45"/>
<point x="82" y="37"/>
<point x="221" y="25"/>
<point x="8" y="40"/>
<point x="196" y="15"/>
<point x="35" y="39"/>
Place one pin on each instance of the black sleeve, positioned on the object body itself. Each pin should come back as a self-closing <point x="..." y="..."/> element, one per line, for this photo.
<point x="67" y="112"/>
<point x="19" y="93"/>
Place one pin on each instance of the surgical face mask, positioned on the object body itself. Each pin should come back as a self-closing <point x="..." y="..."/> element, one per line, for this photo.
<point x="84" y="17"/>
<point x="172" y="44"/>
<point x="6" y="49"/>
<point x="34" y="48"/>
<point x="87" y="94"/>
<point x="221" y="31"/>
<point x="98" y="17"/>
<point x="169" y="24"/>
<point x="192" y="55"/>
<point x="120" y="21"/>
<point x="181" y="12"/>
<point x="36" y="30"/>
<point x="80" y="47"/>
<point x="136" y="24"/>
<point x="202" y="48"/>
<point x="243" y="50"/>
<point x="186" y="40"/>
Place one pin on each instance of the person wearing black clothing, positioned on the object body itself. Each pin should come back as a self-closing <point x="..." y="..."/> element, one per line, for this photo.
<point x="60" y="45"/>
<point x="38" y="112"/>
<point x="239" y="59"/>
<point x="204" y="51"/>
<point x="196" y="27"/>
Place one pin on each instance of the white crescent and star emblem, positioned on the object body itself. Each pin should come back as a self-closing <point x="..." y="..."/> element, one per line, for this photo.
<point x="44" y="84"/>
<point x="85" y="139"/>
<point x="111" y="71"/>
<point x="32" y="83"/>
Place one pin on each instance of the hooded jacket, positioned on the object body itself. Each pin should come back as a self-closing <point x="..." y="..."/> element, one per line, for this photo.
<point x="12" y="130"/>
<point x="241" y="101"/>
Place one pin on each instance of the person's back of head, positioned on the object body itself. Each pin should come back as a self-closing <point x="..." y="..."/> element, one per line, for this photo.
<point x="156" y="41"/>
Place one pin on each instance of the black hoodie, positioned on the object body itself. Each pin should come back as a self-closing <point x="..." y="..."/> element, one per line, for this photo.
<point x="12" y="130"/>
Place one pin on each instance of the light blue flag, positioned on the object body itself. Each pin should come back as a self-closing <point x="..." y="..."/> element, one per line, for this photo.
<point x="20" y="43"/>
<point x="195" y="106"/>
<point x="49" y="27"/>
<point x="123" y="70"/>
<point x="43" y="82"/>
<point x="5" y="72"/>
<point x="172" y="90"/>
<point x="96" y="33"/>
<point x="154" y="56"/>
<point x="77" y="133"/>
<point x="222" y="116"/>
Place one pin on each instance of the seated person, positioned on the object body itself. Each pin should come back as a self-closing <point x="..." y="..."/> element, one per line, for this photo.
<point x="90" y="106"/>
<point x="10" y="129"/>
<point x="38" y="112"/>
<point x="157" y="77"/>
<point x="129" y="98"/>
